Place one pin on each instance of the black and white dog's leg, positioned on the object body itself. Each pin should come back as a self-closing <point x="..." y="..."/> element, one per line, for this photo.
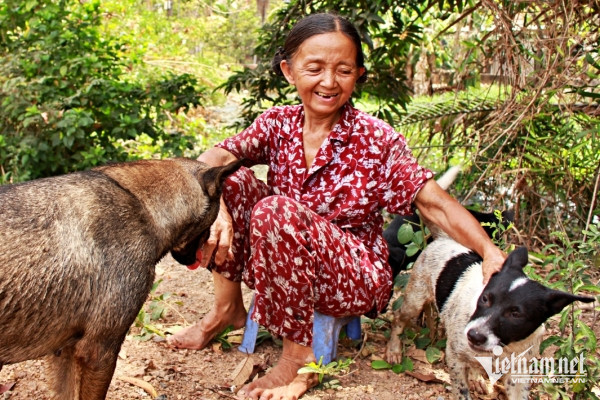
<point x="417" y="294"/>
<point x="515" y="390"/>
<point x="459" y="374"/>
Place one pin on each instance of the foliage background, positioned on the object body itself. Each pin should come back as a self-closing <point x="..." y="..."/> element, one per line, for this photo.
<point x="510" y="89"/>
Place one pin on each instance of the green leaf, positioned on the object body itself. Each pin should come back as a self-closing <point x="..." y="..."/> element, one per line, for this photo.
<point x="588" y="288"/>
<point x="309" y="369"/>
<point x="433" y="354"/>
<point x="552" y="340"/>
<point x="405" y="365"/>
<point x="405" y="234"/>
<point x="30" y="5"/>
<point x="397" y="304"/>
<point x="587" y="334"/>
<point x="422" y="342"/>
<point x="157" y="312"/>
<point x="592" y="95"/>
<point x="419" y="238"/>
<point x="401" y="280"/>
<point x="380" y="364"/>
<point x="412" y="249"/>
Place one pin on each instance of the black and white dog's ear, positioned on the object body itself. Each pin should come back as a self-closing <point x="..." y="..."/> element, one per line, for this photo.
<point x="518" y="259"/>
<point x="558" y="300"/>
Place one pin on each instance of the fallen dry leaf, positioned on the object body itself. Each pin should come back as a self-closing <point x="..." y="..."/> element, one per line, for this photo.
<point x="429" y="378"/>
<point x="417" y="354"/>
<point x="147" y="387"/>
<point x="235" y="339"/>
<point x="6" y="387"/>
<point x="242" y="372"/>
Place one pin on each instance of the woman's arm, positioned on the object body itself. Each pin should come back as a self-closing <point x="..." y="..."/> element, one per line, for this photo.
<point x="443" y="210"/>
<point x="217" y="157"/>
<point x="221" y="231"/>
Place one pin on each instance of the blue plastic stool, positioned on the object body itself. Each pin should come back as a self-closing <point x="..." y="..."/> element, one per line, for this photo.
<point x="326" y="332"/>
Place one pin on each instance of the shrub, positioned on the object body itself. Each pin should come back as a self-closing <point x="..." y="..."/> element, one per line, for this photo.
<point x="65" y="102"/>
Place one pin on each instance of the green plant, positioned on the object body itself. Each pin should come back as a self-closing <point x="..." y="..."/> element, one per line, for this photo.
<point x="153" y="311"/>
<point x="574" y="268"/>
<point x="222" y="338"/>
<point x="499" y="229"/>
<point x="414" y="241"/>
<point x="67" y="102"/>
<point x="405" y="365"/>
<point x="334" y="368"/>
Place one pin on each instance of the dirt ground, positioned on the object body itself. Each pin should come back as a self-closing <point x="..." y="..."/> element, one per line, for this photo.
<point x="150" y="369"/>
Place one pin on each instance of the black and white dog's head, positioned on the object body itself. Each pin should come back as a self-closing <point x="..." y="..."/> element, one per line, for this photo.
<point x="511" y="306"/>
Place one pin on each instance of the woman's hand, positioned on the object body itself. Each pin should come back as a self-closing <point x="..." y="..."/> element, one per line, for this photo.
<point x="219" y="242"/>
<point x="221" y="231"/>
<point x="493" y="259"/>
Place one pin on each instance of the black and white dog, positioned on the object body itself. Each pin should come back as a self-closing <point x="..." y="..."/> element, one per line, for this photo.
<point x="507" y="314"/>
<point x="398" y="258"/>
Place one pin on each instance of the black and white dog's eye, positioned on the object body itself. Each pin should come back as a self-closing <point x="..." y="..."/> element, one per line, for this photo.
<point x="485" y="300"/>
<point x="514" y="313"/>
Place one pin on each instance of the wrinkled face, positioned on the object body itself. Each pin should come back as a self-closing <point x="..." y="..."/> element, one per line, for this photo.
<point x="324" y="72"/>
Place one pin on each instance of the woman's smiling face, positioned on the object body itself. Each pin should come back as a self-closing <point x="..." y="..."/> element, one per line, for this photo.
<point x="324" y="72"/>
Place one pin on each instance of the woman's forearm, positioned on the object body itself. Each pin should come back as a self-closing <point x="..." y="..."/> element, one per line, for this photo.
<point x="445" y="212"/>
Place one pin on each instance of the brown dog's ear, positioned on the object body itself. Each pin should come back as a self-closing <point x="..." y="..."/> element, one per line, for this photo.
<point x="213" y="179"/>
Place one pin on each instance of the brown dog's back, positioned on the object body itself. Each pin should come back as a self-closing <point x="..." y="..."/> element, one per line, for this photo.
<point x="77" y="257"/>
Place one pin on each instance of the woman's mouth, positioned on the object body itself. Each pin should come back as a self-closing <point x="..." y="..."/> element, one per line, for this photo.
<point x="326" y="95"/>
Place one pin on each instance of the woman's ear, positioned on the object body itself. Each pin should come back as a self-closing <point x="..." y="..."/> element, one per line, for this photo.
<point x="361" y="72"/>
<point x="286" y="68"/>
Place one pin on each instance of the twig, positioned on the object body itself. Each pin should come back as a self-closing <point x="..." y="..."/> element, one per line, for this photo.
<point x="464" y="15"/>
<point x="593" y="203"/>
<point x="222" y="394"/>
<point x="364" y="342"/>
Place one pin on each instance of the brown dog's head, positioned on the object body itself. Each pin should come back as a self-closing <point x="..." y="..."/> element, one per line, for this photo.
<point x="211" y="180"/>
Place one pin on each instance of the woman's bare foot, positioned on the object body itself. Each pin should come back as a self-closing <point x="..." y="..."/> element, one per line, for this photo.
<point x="228" y="310"/>
<point x="283" y="382"/>
<point x="199" y="335"/>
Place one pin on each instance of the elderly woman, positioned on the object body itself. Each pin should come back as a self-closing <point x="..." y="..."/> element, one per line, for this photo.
<point x="311" y="237"/>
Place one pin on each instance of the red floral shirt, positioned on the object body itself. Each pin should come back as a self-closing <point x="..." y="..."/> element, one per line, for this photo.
<point x="362" y="167"/>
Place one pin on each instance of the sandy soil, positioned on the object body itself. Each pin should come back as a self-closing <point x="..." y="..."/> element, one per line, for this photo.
<point x="150" y="369"/>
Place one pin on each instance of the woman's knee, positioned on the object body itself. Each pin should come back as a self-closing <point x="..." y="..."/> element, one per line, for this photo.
<point x="280" y="209"/>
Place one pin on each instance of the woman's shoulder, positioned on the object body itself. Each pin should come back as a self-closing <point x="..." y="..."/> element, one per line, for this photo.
<point x="372" y="124"/>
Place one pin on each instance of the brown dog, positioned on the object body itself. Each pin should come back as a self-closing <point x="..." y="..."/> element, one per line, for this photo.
<point x="77" y="258"/>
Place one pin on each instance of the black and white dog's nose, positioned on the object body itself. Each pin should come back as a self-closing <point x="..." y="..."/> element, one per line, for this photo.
<point x="476" y="338"/>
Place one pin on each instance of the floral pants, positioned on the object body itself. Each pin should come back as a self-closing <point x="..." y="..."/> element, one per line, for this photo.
<point x="295" y="260"/>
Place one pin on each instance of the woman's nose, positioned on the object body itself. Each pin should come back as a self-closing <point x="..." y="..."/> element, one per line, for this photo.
<point x="329" y="76"/>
